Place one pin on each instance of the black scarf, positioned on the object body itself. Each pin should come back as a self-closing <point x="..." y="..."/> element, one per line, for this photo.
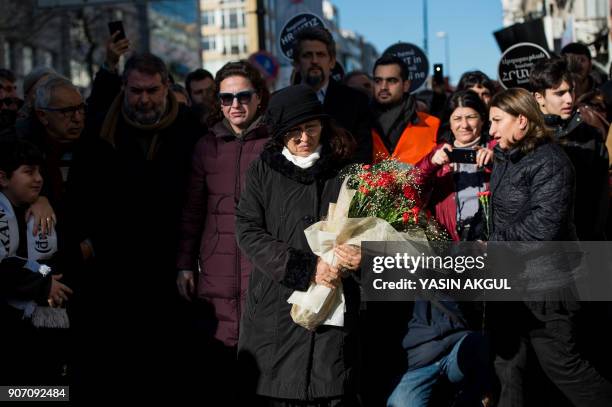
<point x="392" y="120"/>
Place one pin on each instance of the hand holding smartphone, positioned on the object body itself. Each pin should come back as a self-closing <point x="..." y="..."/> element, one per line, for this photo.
<point x="461" y="155"/>
<point x="116" y="26"/>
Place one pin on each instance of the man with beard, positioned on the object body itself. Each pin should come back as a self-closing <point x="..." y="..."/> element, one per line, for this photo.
<point x="129" y="178"/>
<point x="399" y="130"/>
<point x="314" y="57"/>
<point x="200" y="85"/>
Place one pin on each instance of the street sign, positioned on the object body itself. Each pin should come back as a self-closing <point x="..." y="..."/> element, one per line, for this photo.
<point x="266" y="63"/>
<point x="516" y="63"/>
<point x="293" y="26"/>
<point x="416" y="61"/>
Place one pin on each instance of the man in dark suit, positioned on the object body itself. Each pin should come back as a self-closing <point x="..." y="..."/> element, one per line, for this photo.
<point x="314" y="56"/>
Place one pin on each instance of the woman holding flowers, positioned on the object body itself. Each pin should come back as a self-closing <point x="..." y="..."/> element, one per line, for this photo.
<point x="287" y="189"/>
<point x="532" y="188"/>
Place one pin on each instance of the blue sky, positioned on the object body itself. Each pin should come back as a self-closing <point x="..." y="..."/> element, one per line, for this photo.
<point x="469" y="24"/>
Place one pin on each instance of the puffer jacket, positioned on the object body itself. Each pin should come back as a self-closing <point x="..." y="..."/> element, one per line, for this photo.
<point x="207" y="229"/>
<point x="533" y="201"/>
<point x="586" y="148"/>
<point x="287" y="361"/>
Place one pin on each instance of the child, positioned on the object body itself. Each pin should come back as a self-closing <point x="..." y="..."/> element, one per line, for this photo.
<point x="29" y="294"/>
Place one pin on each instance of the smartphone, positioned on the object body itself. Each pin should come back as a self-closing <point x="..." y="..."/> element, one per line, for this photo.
<point x="115" y="26"/>
<point x="462" y="155"/>
<point x="438" y="74"/>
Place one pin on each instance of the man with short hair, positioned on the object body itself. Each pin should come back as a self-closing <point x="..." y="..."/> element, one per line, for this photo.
<point x="130" y="178"/>
<point x="400" y="131"/>
<point x="580" y="64"/>
<point x="314" y="57"/>
<point x="200" y="85"/>
<point x="59" y="107"/>
<point x="553" y="89"/>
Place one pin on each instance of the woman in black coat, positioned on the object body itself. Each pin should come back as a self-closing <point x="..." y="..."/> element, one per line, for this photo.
<point x="287" y="189"/>
<point x="532" y="188"/>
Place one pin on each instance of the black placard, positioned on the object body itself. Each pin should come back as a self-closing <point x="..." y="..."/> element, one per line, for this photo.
<point x="415" y="59"/>
<point x="296" y="24"/>
<point x="516" y="63"/>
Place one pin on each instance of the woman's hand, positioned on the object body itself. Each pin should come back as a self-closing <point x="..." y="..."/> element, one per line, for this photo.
<point x="440" y="157"/>
<point x="483" y="156"/>
<point x="327" y="275"/>
<point x="349" y="256"/>
<point x="44" y="216"/>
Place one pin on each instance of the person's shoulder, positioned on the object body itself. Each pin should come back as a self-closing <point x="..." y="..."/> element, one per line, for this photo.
<point x="429" y="120"/>
<point x="552" y="154"/>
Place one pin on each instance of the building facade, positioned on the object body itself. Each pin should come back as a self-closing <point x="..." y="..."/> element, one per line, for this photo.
<point x="585" y="21"/>
<point x="230" y="30"/>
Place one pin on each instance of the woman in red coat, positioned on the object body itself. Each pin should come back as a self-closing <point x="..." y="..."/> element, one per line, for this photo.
<point x="453" y="187"/>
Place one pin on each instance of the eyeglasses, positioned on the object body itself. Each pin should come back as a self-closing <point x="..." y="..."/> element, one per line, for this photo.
<point x="295" y="134"/>
<point x="67" y="112"/>
<point x="243" y="97"/>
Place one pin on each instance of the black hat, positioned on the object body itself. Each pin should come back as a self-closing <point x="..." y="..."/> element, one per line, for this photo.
<point x="291" y="106"/>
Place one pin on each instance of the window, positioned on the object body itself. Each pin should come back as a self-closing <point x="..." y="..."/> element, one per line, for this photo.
<point x="27" y="60"/>
<point x="208" y="18"/>
<point x="79" y="74"/>
<point x="208" y="43"/>
<point x="7" y="55"/>
<point x="233" y="18"/>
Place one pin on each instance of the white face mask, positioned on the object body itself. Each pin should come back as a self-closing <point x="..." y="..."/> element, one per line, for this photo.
<point x="303" y="162"/>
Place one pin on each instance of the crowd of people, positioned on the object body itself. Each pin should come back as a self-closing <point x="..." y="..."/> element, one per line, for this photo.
<point x="151" y="233"/>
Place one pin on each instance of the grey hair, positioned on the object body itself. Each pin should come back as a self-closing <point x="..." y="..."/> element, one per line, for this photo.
<point x="45" y="90"/>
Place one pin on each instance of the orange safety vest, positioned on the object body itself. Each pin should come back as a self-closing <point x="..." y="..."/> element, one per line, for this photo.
<point x="416" y="141"/>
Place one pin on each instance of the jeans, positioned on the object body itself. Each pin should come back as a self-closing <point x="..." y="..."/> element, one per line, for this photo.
<point x="415" y="389"/>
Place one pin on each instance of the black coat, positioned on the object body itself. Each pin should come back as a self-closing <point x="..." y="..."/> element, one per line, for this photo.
<point x="284" y="360"/>
<point x="533" y="201"/>
<point x="349" y="109"/>
<point x="532" y="195"/>
<point x="587" y="151"/>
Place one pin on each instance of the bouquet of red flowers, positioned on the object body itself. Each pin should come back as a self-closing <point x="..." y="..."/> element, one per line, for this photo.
<point x="381" y="202"/>
<point x="390" y="190"/>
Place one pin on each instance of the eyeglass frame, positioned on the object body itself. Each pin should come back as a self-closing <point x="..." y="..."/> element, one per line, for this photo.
<point x="316" y="129"/>
<point x="67" y="112"/>
<point x="237" y="95"/>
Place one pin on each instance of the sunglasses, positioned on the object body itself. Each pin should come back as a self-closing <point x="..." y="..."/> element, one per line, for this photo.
<point x="244" y="97"/>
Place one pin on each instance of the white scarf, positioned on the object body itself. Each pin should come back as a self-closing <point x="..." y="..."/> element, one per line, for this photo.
<point x="303" y="162"/>
<point x="39" y="247"/>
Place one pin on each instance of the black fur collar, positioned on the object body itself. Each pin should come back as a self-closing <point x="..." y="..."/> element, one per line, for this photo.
<point x="323" y="168"/>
